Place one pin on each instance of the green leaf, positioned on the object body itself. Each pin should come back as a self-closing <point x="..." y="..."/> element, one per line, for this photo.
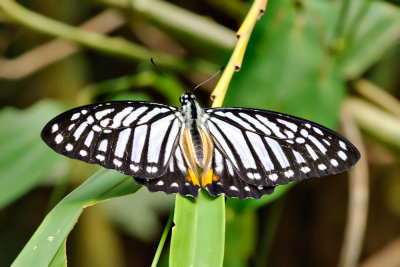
<point x="286" y="68"/>
<point x="45" y="243"/>
<point x="60" y="259"/>
<point x="24" y="158"/>
<point x="199" y="232"/>
<point x="373" y="27"/>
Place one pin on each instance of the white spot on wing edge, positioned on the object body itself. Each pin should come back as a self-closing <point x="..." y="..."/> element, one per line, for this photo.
<point x="334" y="162"/>
<point x="54" y="128"/>
<point x="342" y="155"/>
<point x="117" y="162"/>
<point x="69" y="147"/>
<point x="59" y="138"/>
<point x="342" y="145"/>
<point x="289" y="173"/>
<point x="273" y="176"/>
<point x="75" y="116"/>
<point x="322" y="167"/>
<point x="100" y="157"/>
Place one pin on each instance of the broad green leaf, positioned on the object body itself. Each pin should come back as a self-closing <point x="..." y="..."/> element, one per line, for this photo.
<point x="45" y="243"/>
<point x="199" y="232"/>
<point x="286" y="68"/>
<point x="24" y="158"/>
<point x="373" y="26"/>
<point x="60" y="259"/>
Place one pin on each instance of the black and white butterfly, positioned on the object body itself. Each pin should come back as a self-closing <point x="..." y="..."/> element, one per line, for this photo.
<point x="242" y="152"/>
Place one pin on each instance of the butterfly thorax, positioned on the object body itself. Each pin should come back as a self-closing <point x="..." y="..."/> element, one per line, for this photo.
<point x="192" y="114"/>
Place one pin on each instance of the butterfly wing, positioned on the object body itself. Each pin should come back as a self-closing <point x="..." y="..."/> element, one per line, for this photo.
<point x="222" y="178"/>
<point x="134" y="138"/>
<point x="179" y="178"/>
<point x="267" y="148"/>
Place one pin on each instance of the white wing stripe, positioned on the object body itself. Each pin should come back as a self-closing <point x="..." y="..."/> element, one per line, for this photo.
<point x="122" y="142"/>
<point x="101" y="114"/>
<point x="179" y="160"/>
<point x="119" y="116"/>
<point x="222" y="142"/>
<point x="133" y="116"/>
<point x="89" y="139"/>
<point x="278" y="152"/>
<point x="151" y="114"/>
<point x="317" y="143"/>
<point x="171" y="140"/>
<point x="239" y="143"/>
<point x="256" y="123"/>
<point x="261" y="152"/>
<point x="219" y="166"/>
<point x="103" y="145"/>
<point x="80" y="130"/>
<point x="158" y="131"/>
<point x="139" y="137"/>
<point x="239" y="121"/>
<point x="311" y="152"/>
<point x="290" y="125"/>
<point x="299" y="157"/>
<point x="275" y="129"/>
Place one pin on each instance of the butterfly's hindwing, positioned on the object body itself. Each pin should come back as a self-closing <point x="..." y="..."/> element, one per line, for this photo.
<point x="177" y="178"/>
<point x="269" y="149"/>
<point x="135" y="138"/>
<point x="223" y="178"/>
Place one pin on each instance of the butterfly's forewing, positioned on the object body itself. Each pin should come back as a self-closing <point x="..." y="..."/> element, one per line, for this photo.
<point x="266" y="148"/>
<point x="135" y="138"/>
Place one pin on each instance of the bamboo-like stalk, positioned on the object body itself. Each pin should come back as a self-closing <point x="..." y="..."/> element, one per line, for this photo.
<point x="358" y="198"/>
<point x="235" y="62"/>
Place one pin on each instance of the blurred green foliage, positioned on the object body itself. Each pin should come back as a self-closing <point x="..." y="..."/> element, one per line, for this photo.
<point x="301" y="60"/>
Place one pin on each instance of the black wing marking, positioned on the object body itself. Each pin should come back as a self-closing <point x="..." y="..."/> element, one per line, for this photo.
<point x="177" y="178"/>
<point x="223" y="178"/>
<point x="268" y="148"/>
<point x="134" y="138"/>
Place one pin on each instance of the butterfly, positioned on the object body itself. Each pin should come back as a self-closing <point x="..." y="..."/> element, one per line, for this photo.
<point x="240" y="152"/>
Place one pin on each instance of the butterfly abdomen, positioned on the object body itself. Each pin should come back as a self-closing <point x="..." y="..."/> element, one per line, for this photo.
<point x="197" y="145"/>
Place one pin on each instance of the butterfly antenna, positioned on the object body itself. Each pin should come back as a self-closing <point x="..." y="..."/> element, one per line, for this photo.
<point x="209" y="79"/>
<point x="161" y="70"/>
<point x="158" y="67"/>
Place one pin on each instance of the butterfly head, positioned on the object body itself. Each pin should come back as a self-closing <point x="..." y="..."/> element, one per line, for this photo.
<point x="186" y="97"/>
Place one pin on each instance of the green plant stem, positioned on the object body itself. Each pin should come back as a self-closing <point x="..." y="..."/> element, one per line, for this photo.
<point x="375" y="121"/>
<point x="338" y="41"/>
<point x="268" y="234"/>
<point x="180" y="20"/>
<point x="162" y="240"/>
<point x="111" y="45"/>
